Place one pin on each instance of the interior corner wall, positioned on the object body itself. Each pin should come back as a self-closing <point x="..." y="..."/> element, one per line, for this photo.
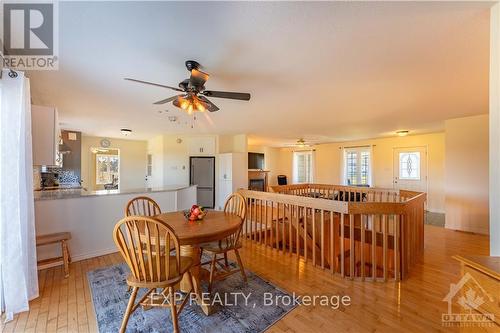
<point x="272" y="162"/>
<point x="466" y="176"/>
<point x="494" y="150"/>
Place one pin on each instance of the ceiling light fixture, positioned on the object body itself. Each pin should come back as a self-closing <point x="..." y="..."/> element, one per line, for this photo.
<point x="402" y="133"/>
<point x="126" y="131"/>
<point x="190" y="103"/>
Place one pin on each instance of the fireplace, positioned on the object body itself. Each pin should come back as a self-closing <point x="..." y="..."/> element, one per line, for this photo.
<point x="256" y="185"/>
<point x="257" y="180"/>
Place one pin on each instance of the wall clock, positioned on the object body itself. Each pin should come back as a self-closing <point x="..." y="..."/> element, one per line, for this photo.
<point x="105" y="143"/>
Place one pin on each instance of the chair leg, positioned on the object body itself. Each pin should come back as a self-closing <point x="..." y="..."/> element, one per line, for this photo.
<point x="212" y="273"/>
<point x="128" y="311"/>
<point x="173" y="309"/>
<point x="225" y="260"/>
<point x="240" y="263"/>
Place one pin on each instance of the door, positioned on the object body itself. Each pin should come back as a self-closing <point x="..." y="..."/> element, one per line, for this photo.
<point x="202" y="173"/>
<point x="410" y="169"/>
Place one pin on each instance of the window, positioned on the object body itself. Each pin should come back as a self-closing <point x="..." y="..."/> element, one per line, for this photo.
<point x="357" y="166"/>
<point x="409" y="165"/>
<point x="303" y="167"/>
<point x="107" y="169"/>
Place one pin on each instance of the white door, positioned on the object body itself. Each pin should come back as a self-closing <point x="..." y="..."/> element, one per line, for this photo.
<point x="410" y="169"/>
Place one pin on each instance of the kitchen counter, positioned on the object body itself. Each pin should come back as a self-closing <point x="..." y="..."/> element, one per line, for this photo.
<point x="91" y="216"/>
<point x="68" y="193"/>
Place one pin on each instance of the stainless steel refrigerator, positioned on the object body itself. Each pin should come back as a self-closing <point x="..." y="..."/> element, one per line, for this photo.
<point x="202" y="173"/>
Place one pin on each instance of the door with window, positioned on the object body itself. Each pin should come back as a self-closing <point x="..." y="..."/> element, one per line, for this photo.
<point x="410" y="169"/>
<point x="357" y="167"/>
<point x="303" y="167"/>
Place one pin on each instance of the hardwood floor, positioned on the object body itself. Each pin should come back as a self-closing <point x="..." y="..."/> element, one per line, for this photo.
<point x="414" y="305"/>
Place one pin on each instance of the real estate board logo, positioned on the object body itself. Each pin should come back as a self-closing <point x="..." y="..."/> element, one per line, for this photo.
<point x="470" y="296"/>
<point x="29" y="37"/>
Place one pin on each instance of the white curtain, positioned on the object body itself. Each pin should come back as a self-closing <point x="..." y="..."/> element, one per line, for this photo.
<point x="18" y="270"/>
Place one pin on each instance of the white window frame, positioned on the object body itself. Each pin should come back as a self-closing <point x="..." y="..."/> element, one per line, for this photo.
<point x="358" y="151"/>
<point x="309" y="179"/>
<point x="97" y="181"/>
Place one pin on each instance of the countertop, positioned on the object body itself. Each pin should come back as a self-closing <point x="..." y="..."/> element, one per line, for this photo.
<point x="81" y="193"/>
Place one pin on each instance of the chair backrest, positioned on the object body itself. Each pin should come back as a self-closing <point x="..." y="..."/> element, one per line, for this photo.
<point x="282" y="180"/>
<point x="235" y="204"/>
<point x="146" y="244"/>
<point x="143" y="206"/>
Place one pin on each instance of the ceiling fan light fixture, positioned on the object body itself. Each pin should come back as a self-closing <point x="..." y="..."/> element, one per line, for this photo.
<point x="402" y="132"/>
<point x="126" y="131"/>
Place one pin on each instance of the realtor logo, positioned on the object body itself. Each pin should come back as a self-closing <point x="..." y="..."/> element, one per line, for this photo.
<point x="29" y="35"/>
<point x="469" y="294"/>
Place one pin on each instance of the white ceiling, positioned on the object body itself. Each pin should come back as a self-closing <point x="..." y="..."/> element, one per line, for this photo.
<point x="323" y="71"/>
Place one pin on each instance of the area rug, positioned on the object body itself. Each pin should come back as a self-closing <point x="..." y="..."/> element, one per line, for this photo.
<point x="254" y="314"/>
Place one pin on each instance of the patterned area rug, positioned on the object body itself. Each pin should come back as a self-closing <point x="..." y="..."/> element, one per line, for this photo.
<point x="110" y="297"/>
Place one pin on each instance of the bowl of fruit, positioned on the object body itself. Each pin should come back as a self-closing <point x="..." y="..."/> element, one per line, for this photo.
<point x="196" y="213"/>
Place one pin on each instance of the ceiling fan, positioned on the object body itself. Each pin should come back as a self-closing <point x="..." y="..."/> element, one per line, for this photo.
<point x="301" y="143"/>
<point x="192" y="91"/>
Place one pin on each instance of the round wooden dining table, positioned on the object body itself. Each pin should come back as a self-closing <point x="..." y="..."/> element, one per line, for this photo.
<point x="215" y="226"/>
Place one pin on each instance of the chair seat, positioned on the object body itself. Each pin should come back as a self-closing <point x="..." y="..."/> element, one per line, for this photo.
<point x="174" y="274"/>
<point x="219" y="247"/>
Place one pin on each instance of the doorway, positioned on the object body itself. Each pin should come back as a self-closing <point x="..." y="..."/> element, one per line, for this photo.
<point x="410" y="169"/>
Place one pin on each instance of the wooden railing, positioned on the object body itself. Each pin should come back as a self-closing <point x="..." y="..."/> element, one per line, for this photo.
<point x="339" y="192"/>
<point x="378" y="237"/>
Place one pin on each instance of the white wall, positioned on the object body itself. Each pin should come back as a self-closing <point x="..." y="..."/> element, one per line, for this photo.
<point x="175" y="160"/>
<point x="494" y="150"/>
<point x="466" y="176"/>
<point x="155" y="148"/>
<point x="133" y="161"/>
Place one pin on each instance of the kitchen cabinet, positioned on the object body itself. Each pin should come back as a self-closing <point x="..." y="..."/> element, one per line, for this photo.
<point x="46" y="136"/>
<point x="201" y="146"/>
<point x="233" y="175"/>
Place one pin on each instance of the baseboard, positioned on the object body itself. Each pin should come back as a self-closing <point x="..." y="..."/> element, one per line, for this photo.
<point x="437" y="211"/>
<point x="480" y="231"/>
<point x="83" y="256"/>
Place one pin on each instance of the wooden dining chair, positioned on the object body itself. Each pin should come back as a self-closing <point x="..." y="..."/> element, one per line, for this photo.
<point x="143" y="206"/>
<point x="139" y="239"/>
<point x="235" y="204"/>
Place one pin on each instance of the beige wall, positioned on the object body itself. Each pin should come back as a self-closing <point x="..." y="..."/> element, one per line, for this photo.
<point x="232" y="143"/>
<point x="133" y="161"/>
<point x="466" y="180"/>
<point x="272" y="162"/>
<point x="328" y="163"/>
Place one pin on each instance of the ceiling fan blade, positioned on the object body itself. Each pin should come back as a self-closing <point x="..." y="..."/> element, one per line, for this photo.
<point x="154" y="84"/>
<point x="209" y="105"/>
<point x="227" y="94"/>
<point x="166" y="100"/>
<point x="198" y="78"/>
